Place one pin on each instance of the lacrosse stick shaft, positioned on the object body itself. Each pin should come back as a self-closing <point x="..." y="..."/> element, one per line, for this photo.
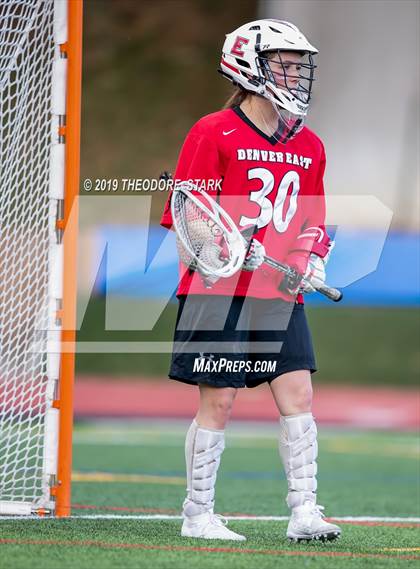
<point x="330" y="292"/>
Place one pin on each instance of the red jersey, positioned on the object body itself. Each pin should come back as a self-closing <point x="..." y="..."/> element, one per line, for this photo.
<point x="258" y="181"/>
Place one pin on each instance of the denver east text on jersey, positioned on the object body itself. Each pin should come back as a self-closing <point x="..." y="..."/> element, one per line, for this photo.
<point x="256" y="155"/>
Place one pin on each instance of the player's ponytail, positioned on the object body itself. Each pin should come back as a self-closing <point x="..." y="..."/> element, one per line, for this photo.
<point x="238" y="96"/>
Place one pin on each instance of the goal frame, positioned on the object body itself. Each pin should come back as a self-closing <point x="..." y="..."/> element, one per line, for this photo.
<point x="73" y="49"/>
<point x="37" y="391"/>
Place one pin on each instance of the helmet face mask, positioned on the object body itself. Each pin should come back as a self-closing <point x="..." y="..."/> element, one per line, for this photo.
<point x="293" y="72"/>
<point x="273" y="59"/>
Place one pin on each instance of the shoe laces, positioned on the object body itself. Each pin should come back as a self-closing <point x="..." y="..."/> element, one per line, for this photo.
<point x="318" y="511"/>
<point x="315" y="509"/>
<point x="218" y="520"/>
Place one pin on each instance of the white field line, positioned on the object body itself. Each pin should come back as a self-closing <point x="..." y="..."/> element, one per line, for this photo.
<point x="233" y="518"/>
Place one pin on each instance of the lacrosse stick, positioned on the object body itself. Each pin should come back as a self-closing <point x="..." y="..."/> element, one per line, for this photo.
<point x="209" y="240"/>
<point x="330" y="292"/>
<point x="207" y="237"/>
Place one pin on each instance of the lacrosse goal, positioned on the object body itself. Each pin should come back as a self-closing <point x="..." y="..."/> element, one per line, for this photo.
<point x="40" y="84"/>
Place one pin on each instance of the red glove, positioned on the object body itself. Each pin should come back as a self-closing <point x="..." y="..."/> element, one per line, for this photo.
<point x="311" y="244"/>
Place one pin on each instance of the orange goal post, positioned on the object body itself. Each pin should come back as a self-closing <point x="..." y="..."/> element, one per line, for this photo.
<point x="40" y="100"/>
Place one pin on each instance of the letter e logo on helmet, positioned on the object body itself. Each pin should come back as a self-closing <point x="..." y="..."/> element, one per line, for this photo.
<point x="239" y="42"/>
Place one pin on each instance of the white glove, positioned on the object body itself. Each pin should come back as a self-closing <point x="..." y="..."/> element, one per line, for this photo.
<point x="255" y="256"/>
<point x="208" y="279"/>
<point x="315" y="275"/>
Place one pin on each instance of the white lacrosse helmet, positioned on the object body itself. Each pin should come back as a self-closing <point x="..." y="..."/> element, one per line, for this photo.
<point x="245" y="62"/>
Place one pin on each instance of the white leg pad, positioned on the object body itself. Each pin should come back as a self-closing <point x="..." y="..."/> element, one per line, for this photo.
<point x="203" y="449"/>
<point x="299" y="450"/>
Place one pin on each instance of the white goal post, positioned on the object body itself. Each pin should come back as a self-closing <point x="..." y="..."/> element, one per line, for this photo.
<point x="40" y="84"/>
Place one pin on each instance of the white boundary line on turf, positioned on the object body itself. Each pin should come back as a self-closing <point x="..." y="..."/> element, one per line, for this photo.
<point x="237" y="518"/>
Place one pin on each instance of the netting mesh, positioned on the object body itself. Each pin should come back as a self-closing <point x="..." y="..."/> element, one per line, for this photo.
<point x="198" y="231"/>
<point x="26" y="57"/>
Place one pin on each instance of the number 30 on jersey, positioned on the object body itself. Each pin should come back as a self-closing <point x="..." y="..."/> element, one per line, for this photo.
<point x="268" y="211"/>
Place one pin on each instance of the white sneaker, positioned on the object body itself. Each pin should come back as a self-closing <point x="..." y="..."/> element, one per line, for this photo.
<point x="208" y="526"/>
<point x="307" y="523"/>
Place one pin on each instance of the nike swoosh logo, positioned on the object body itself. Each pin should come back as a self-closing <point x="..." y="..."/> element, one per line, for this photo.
<point x="226" y="132"/>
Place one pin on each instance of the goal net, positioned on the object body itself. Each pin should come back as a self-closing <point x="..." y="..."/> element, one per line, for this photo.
<point x="33" y="67"/>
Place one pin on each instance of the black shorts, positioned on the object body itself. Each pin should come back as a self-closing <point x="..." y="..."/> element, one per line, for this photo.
<point x="239" y="342"/>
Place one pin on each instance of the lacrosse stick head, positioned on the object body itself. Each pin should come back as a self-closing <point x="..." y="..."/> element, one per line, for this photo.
<point x="207" y="238"/>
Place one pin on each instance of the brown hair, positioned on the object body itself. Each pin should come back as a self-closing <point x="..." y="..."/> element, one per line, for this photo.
<point x="238" y="96"/>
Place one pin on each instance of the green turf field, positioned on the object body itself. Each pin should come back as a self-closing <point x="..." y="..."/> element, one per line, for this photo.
<point x="136" y="470"/>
